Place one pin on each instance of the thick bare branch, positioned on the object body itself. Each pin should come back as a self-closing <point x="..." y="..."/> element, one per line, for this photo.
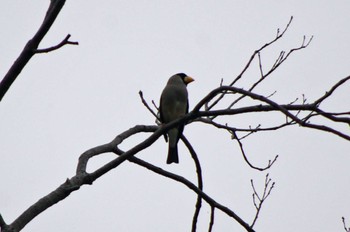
<point x="83" y="178"/>
<point x="113" y="146"/>
<point x="3" y="225"/>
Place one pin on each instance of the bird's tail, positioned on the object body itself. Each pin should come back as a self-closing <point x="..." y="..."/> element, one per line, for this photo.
<point x="173" y="156"/>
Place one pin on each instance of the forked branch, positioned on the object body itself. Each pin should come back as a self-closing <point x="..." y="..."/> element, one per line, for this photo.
<point x="258" y="199"/>
<point x="31" y="48"/>
<point x="65" y="41"/>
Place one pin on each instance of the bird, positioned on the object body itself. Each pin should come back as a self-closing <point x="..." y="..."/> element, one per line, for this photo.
<point x="173" y="105"/>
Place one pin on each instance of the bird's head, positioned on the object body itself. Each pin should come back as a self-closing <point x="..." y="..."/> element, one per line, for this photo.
<point x="186" y="79"/>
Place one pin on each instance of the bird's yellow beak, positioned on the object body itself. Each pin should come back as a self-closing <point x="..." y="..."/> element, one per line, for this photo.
<point x="188" y="79"/>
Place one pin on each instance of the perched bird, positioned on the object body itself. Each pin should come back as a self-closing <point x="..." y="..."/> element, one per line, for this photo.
<point x="173" y="105"/>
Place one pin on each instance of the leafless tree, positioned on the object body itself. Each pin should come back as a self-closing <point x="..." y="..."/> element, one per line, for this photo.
<point x="207" y="111"/>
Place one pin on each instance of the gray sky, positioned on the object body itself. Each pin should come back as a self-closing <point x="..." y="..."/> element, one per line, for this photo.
<point x="78" y="97"/>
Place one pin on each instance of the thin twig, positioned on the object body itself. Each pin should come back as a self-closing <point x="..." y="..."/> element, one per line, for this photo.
<point x="278" y="36"/>
<point x="344" y="224"/>
<point x="266" y="193"/>
<point x="147" y="106"/>
<point x="212" y="217"/>
<point x="260" y="66"/>
<point x="199" y="180"/>
<point x="155" y="105"/>
<point x="329" y="92"/>
<point x="270" y="163"/>
<point x="65" y="41"/>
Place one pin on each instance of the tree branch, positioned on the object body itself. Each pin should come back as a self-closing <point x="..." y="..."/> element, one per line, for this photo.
<point x="212" y="217"/>
<point x="344" y="224"/>
<point x="266" y="192"/>
<point x="199" y="179"/>
<point x="269" y="165"/>
<point x="148" y="107"/>
<point x="330" y="92"/>
<point x="65" y="41"/>
<point x="3" y="224"/>
<point x="256" y="52"/>
<point x="31" y="47"/>
<point x="271" y="103"/>
<point x="82" y="177"/>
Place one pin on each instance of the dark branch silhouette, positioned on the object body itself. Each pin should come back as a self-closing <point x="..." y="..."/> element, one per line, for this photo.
<point x="199" y="179"/>
<point x="31" y="48"/>
<point x="347" y="229"/>
<point x="206" y="111"/>
<point x="65" y="41"/>
<point x="259" y="200"/>
<point x="212" y="216"/>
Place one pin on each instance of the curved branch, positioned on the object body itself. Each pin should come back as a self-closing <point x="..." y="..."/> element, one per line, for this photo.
<point x="199" y="179"/>
<point x="112" y="146"/>
<point x="191" y="186"/>
<point x="83" y="178"/>
<point x="269" y="165"/>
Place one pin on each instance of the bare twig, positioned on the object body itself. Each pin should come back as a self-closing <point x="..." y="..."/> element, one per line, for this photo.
<point x="212" y="217"/>
<point x="256" y="52"/>
<point x="281" y="59"/>
<point x="65" y="41"/>
<point x="155" y="105"/>
<point x="347" y="229"/>
<point x="330" y="92"/>
<point x="199" y="179"/>
<point x="260" y="66"/>
<point x="259" y="200"/>
<point x="147" y="106"/>
<point x="250" y="130"/>
<point x="270" y="163"/>
<point x="278" y="36"/>
<point x="263" y="75"/>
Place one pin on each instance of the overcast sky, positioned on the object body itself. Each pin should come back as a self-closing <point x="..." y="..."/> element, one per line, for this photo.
<point x="78" y="97"/>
